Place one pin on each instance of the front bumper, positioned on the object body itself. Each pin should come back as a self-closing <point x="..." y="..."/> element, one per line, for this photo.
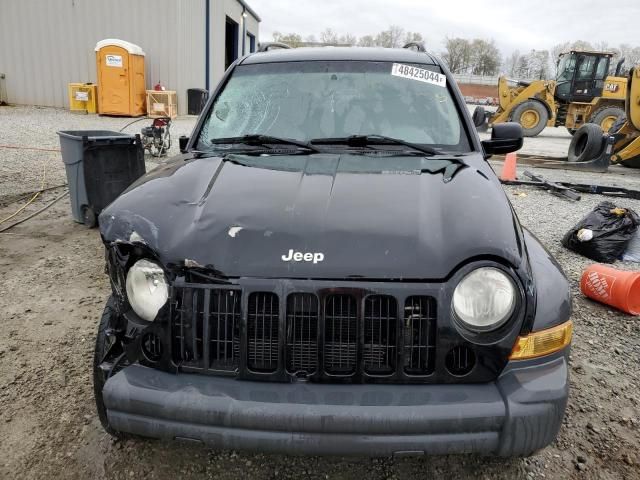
<point x="517" y="414"/>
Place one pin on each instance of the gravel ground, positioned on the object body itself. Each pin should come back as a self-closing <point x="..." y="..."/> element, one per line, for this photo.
<point x="35" y="127"/>
<point x="53" y="288"/>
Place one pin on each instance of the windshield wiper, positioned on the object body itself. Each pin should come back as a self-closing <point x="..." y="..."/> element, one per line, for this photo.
<point x="372" y="140"/>
<point x="262" y="140"/>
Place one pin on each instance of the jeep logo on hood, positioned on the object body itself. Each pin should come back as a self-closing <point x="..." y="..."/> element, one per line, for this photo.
<point x="314" y="257"/>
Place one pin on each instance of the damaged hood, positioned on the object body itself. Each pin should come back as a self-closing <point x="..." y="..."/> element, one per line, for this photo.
<point x="318" y="216"/>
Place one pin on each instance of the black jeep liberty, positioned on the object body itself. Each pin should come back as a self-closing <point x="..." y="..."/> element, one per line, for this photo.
<point x="332" y="267"/>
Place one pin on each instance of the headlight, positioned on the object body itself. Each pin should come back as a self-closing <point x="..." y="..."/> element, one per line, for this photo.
<point x="484" y="299"/>
<point x="147" y="289"/>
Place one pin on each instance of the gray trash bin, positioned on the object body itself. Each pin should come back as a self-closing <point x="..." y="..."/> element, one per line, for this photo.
<point x="100" y="165"/>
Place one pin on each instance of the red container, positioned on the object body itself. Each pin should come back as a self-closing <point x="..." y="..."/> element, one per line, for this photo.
<point x="618" y="288"/>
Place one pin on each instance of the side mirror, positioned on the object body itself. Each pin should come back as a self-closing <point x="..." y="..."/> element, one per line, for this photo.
<point x="182" y="142"/>
<point x="505" y="138"/>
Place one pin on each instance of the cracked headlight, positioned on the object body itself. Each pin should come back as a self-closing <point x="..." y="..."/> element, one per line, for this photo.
<point x="484" y="299"/>
<point x="147" y="289"/>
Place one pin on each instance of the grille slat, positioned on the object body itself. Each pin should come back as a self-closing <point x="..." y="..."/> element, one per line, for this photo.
<point x="419" y="335"/>
<point x="188" y="328"/>
<point x="151" y="346"/>
<point x="262" y="326"/>
<point x="302" y="333"/>
<point x="206" y="328"/>
<point x="195" y="324"/>
<point x="460" y="360"/>
<point x="340" y="336"/>
<point x="206" y="334"/>
<point x="224" y="323"/>
<point x="380" y="327"/>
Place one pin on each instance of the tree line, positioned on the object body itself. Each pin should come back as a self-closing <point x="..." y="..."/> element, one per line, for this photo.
<point x="541" y="64"/>
<point x="475" y="56"/>
<point x="393" y="37"/>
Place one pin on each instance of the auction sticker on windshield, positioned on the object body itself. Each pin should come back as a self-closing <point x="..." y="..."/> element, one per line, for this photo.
<point x="420" y="74"/>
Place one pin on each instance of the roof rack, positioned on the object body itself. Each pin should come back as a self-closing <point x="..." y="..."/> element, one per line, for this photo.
<point x="418" y="46"/>
<point x="264" y="47"/>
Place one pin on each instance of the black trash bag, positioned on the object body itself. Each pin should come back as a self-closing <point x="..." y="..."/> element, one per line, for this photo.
<point x="603" y="235"/>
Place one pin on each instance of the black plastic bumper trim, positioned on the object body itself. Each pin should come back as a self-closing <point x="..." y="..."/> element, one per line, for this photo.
<point x="516" y="415"/>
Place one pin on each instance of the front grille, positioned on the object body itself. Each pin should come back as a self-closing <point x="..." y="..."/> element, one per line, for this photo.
<point x="205" y="328"/>
<point x="323" y="336"/>
<point x="262" y="324"/>
<point x="340" y="334"/>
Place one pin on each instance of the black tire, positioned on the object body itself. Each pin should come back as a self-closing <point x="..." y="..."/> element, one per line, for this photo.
<point x="89" y="217"/>
<point x="572" y="131"/>
<point x="602" y="117"/>
<point x="478" y="116"/>
<point x="106" y="321"/>
<point x="534" y="108"/>
<point x="586" y="144"/>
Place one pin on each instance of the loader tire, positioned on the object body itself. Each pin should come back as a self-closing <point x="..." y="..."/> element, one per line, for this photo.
<point x="532" y="116"/>
<point x="586" y="144"/>
<point x="478" y="116"/>
<point x="607" y="117"/>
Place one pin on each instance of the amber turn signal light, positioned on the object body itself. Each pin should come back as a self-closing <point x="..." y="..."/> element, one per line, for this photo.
<point x="544" y="342"/>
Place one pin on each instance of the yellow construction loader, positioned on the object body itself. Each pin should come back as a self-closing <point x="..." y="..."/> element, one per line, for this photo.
<point x="626" y="149"/>
<point x="593" y="147"/>
<point x="582" y="92"/>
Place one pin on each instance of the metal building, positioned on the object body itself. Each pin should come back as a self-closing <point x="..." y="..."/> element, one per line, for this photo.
<point x="46" y="44"/>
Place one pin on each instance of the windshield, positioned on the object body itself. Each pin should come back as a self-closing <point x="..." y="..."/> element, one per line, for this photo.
<point x="320" y="99"/>
<point x="566" y="67"/>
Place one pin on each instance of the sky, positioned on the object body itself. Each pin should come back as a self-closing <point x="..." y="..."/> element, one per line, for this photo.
<point x="514" y="25"/>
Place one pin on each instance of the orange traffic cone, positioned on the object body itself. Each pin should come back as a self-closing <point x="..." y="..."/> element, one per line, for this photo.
<point x="618" y="288"/>
<point x="509" y="168"/>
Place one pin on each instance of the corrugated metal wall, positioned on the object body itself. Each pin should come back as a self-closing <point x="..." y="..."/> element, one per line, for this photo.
<point x="46" y="44"/>
<point x="222" y="9"/>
